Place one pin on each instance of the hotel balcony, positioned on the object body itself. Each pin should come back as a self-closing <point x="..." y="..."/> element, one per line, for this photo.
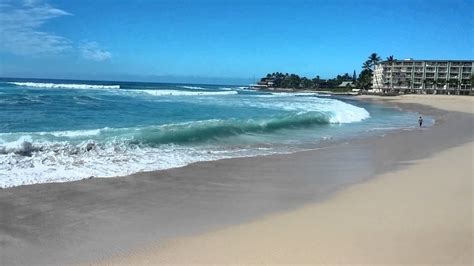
<point x="442" y="69"/>
<point x="466" y="69"/>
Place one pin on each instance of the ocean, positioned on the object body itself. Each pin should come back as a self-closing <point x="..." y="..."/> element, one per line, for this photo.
<point x="65" y="130"/>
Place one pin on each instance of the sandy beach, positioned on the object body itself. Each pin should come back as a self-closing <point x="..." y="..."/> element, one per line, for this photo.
<point x="403" y="198"/>
<point x="303" y="132"/>
<point x="421" y="214"/>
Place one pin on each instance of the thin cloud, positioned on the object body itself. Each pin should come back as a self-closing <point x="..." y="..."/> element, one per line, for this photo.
<point x="20" y="24"/>
<point x="92" y="51"/>
<point x="21" y="34"/>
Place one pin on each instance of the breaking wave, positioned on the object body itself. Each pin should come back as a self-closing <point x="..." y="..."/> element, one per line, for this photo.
<point x="64" y="86"/>
<point x="177" y="133"/>
<point x="192" y="87"/>
<point x="59" y="156"/>
<point x="183" y="93"/>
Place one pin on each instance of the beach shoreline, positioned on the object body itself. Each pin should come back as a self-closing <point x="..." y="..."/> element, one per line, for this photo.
<point x="106" y="218"/>
<point x="429" y="227"/>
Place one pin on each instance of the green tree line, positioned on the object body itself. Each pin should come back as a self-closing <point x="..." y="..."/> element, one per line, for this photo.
<point x="294" y="81"/>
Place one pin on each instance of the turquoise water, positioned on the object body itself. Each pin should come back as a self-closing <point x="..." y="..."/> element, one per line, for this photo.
<point x="56" y="130"/>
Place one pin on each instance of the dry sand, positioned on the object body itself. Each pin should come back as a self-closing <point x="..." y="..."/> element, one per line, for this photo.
<point x="421" y="214"/>
<point x="463" y="104"/>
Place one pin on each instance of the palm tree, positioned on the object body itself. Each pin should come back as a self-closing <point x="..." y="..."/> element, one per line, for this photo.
<point x="367" y="65"/>
<point x="373" y="60"/>
<point x="390" y="60"/>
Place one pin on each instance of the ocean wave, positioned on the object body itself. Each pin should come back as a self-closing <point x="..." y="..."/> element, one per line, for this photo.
<point x="64" y="86"/>
<point x="44" y="157"/>
<point x="59" y="156"/>
<point x="341" y="112"/>
<point x="175" y="133"/>
<point x="62" y="162"/>
<point x="205" y="89"/>
<point x="183" y="93"/>
<point x="192" y="87"/>
<point x="294" y="94"/>
<point x="211" y="130"/>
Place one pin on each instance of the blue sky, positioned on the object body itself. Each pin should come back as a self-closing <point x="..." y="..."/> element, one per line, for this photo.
<point x="223" y="41"/>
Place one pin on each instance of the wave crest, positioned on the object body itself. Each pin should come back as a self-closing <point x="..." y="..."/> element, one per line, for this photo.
<point x="210" y="130"/>
<point x="63" y="86"/>
<point x="183" y="93"/>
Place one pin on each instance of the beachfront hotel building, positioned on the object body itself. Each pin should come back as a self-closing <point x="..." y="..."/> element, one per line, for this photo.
<point x="424" y="76"/>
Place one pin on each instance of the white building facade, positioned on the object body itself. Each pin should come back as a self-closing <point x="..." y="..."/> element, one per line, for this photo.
<point x="424" y="76"/>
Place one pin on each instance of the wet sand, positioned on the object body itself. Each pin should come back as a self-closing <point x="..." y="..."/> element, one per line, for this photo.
<point x="419" y="214"/>
<point x="413" y="216"/>
<point x="142" y="215"/>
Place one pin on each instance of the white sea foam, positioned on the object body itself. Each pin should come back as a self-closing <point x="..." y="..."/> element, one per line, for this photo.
<point x="65" y="133"/>
<point x="346" y="113"/>
<point x="338" y="111"/>
<point x="62" y="162"/>
<point x="295" y="94"/>
<point x="64" y="86"/>
<point x="183" y="93"/>
<point x="192" y="87"/>
<point x="60" y="156"/>
<point x="202" y="88"/>
<point x="75" y="133"/>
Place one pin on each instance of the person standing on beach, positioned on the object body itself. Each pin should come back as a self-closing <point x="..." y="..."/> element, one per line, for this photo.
<point x="420" y="121"/>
